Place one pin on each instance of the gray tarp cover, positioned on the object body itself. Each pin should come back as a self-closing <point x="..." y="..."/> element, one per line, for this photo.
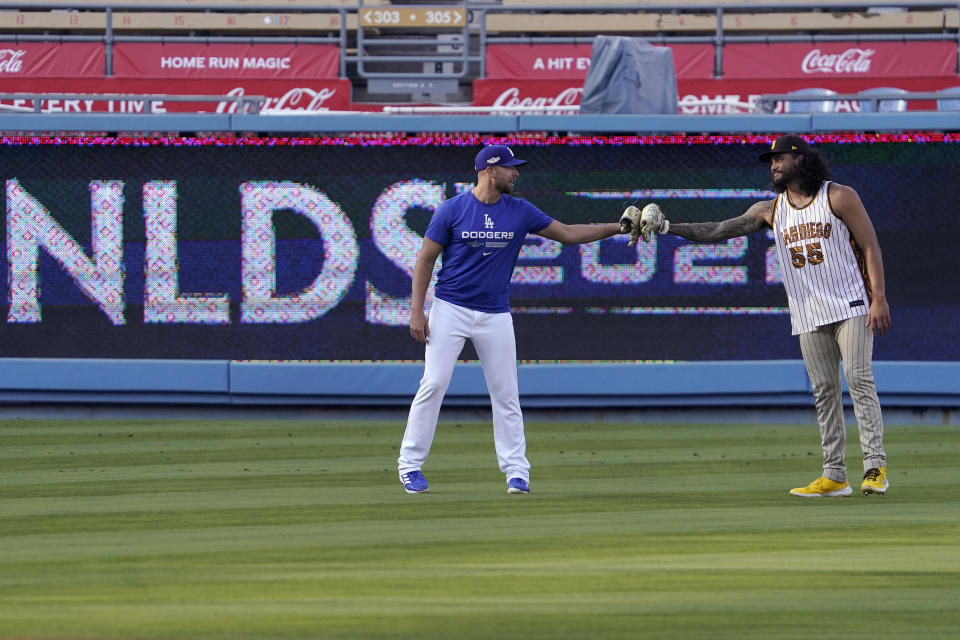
<point x="629" y="75"/>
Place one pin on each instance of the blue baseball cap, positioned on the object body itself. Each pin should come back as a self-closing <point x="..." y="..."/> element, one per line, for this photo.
<point x="496" y="155"/>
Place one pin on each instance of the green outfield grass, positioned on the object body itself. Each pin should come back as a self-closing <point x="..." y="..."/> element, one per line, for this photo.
<point x="295" y="529"/>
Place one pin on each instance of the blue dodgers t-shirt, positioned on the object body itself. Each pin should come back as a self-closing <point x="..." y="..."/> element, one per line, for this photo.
<point x="481" y="243"/>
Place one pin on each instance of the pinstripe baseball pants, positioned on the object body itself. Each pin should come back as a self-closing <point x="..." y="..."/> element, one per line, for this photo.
<point x="850" y="342"/>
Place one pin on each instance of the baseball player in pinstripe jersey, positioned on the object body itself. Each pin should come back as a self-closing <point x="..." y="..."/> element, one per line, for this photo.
<point x="833" y="275"/>
<point x="480" y="233"/>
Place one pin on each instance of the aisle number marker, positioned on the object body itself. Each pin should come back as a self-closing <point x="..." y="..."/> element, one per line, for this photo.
<point x="418" y="17"/>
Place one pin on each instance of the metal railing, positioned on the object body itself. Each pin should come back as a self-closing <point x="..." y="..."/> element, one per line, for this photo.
<point x="719" y="37"/>
<point x="109" y="37"/>
<point x="381" y="32"/>
<point x="767" y="102"/>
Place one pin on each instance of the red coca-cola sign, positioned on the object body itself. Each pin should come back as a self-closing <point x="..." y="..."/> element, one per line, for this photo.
<point x="511" y="96"/>
<point x="879" y="59"/>
<point x="51" y="60"/>
<point x="11" y="61"/>
<point x="852" y="61"/>
<point x="538" y="93"/>
<point x="282" y="96"/>
<point x="698" y="97"/>
<point x="299" y="98"/>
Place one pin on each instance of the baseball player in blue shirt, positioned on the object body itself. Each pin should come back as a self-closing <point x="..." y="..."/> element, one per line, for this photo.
<point x="480" y="233"/>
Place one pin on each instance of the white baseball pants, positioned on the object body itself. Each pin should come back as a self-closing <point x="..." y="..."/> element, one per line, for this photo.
<point x="823" y="350"/>
<point x="493" y="338"/>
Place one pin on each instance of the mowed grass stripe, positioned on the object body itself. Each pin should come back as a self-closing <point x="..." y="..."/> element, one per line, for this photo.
<point x="632" y="531"/>
<point x="92" y="479"/>
<point x="607" y="615"/>
<point x="226" y="435"/>
<point x="169" y="536"/>
<point x="314" y="489"/>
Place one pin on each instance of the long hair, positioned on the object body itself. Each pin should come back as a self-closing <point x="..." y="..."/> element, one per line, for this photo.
<point x="812" y="171"/>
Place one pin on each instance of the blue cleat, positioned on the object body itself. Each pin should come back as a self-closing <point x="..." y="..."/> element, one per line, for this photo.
<point x="518" y="485"/>
<point x="414" y="482"/>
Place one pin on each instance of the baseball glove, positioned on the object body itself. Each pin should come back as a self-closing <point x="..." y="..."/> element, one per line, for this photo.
<point x="630" y="223"/>
<point x="652" y="221"/>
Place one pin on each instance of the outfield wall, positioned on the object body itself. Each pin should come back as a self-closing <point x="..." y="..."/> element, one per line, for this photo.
<point x="776" y="384"/>
<point x="499" y="124"/>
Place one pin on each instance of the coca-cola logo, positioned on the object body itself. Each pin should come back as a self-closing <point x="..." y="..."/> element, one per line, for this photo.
<point x="297" y="99"/>
<point x="511" y="98"/>
<point x="851" y="61"/>
<point x="11" y="60"/>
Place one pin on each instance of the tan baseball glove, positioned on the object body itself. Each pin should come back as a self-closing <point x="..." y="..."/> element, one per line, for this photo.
<point x="652" y="221"/>
<point x="643" y="222"/>
<point x="630" y="223"/>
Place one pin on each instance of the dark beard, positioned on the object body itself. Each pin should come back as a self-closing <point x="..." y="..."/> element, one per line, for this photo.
<point x="779" y="185"/>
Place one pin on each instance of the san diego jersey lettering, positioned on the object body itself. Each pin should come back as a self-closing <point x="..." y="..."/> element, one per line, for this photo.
<point x="823" y="269"/>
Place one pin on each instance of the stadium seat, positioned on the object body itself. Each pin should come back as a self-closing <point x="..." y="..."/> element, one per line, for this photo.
<point x="866" y="106"/>
<point x="950" y="100"/>
<point x="809" y="106"/>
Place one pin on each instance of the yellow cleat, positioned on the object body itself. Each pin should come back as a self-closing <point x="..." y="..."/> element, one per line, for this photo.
<point x="823" y="488"/>
<point x="875" y="481"/>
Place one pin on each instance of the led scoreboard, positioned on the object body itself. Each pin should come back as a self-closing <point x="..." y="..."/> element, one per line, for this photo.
<point x="303" y="248"/>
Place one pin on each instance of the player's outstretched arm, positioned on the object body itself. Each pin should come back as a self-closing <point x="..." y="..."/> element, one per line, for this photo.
<point x="758" y="216"/>
<point x="579" y="233"/>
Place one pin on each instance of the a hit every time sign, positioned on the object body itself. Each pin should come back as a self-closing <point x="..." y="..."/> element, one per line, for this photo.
<point x="412" y="17"/>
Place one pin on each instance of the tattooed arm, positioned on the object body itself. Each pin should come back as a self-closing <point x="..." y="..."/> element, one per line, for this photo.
<point x="759" y="215"/>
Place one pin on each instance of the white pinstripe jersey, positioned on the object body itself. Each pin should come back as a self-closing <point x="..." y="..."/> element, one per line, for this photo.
<point x="823" y="268"/>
